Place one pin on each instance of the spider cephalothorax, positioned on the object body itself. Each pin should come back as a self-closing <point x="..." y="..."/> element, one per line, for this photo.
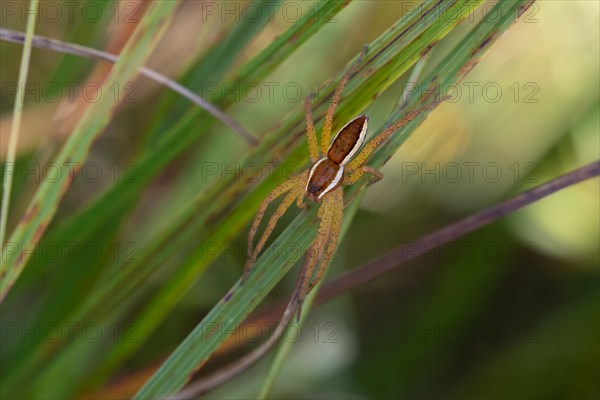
<point x="327" y="173"/>
<point x="335" y="165"/>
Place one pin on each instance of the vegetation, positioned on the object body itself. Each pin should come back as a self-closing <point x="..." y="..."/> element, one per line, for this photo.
<point x="123" y="280"/>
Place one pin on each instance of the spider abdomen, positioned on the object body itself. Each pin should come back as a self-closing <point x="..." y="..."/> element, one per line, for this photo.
<point x="348" y="140"/>
<point x="324" y="176"/>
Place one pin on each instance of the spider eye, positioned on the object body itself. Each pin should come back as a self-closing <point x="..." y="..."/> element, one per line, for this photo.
<point x="313" y="188"/>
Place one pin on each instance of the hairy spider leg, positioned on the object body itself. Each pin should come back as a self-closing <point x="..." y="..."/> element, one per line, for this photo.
<point x="297" y="297"/>
<point x="285" y="204"/>
<point x="313" y="147"/>
<point x="336" y="211"/>
<point x="326" y="132"/>
<point x="362" y="157"/>
<point x="315" y="250"/>
<point x="295" y="187"/>
<point x="353" y="177"/>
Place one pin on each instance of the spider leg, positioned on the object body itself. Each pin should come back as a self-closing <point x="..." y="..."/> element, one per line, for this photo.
<point x="300" y="202"/>
<point x="326" y="133"/>
<point x="285" y="204"/>
<point x="365" y="153"/>
<point x="315" y="250"/>
<point x="354" y="176"/>
<point x="336" y="211"/>
<point x="295" y="188"/>
<point x="313" y="148"/>
<point x="297" y="295"/>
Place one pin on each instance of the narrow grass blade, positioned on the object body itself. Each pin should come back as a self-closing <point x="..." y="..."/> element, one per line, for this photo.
<point x="16" y="121"/>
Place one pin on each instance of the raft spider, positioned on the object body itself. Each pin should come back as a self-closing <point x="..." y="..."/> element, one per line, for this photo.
<point x="335" y="165"/>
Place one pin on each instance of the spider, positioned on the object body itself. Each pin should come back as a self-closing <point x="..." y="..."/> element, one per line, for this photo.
<point x="335" y="165"/>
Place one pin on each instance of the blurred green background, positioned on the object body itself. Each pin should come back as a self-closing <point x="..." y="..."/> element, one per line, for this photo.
<point x="510" y="311"/>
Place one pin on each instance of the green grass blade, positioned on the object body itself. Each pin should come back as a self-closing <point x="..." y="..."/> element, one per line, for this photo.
<point x="16" y="122"/>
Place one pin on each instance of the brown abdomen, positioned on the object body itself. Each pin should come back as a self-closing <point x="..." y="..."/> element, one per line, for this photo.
<point x="348" y="139"/>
